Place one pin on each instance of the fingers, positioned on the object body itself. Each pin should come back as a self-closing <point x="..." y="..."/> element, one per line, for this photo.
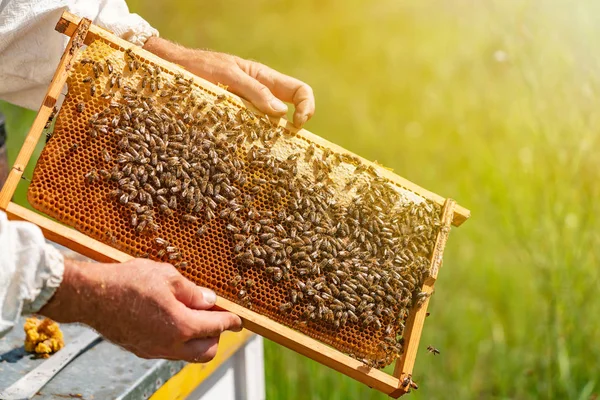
<point x="196" y="350"/>
<point x="256" y="93"/>
<point x="201" y="324"/>
<point x="284" y="87"/>
<point x="192" y="296"/>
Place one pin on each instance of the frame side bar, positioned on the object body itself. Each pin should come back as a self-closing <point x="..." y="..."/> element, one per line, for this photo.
<point x="414" y="325"/>
<point x="45" y="111"/>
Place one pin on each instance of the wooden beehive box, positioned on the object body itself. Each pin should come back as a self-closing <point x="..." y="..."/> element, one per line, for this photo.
<point x="314" y="247"/>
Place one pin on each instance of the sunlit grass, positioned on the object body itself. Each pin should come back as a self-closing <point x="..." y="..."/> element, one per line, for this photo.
<point x="493" y="103"/>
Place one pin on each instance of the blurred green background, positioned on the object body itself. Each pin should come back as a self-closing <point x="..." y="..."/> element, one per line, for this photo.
<point x="493" y="103"/>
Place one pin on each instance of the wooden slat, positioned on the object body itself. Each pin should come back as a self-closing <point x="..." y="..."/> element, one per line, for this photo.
<point x="415" y="321"/>
<point x="67" y="237"/>
<point x="313" y="349"/>
<point x="58" y="81"/>
<point x="69" y="21"/>
<point x="442" y="238"/>
<point x="253" y="321"/>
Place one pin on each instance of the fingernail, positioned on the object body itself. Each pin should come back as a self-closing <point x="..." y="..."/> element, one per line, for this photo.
<point x="209" y="296"/>
<point x="278" y="105"/>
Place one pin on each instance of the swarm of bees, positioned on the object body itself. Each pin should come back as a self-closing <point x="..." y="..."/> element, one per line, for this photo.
<point x="178" y="154"/>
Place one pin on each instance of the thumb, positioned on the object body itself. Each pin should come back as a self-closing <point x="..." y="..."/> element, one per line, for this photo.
<point x="192" y="296"/>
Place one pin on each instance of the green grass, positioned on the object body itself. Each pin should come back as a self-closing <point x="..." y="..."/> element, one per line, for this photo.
<point x="493" y="103"/>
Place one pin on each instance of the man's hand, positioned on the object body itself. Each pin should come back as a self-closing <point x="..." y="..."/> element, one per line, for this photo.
<point x="148" y="308"/>
<point x="262" y="86"/>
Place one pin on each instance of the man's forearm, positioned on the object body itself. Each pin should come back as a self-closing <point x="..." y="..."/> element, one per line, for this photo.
<point x="165" y="49"/>
<point x="70" y="302"/>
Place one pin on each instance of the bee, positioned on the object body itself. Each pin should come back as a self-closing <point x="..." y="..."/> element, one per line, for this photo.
<point x="232" y="228"/>
<point x="433" y="350"/>
<point x="161" y="242"/>
<point x="113" y="80"/>
<point x="189" y="218"/>
<point x="49" y="122"/>
<point x="80" y="107"/>
<point x="109" y="66"/>
<point x="124" y="199"/>
<point x="91" y="176"/>
<point x="201" y="230"/>
<point x="106" y="156"/>
<point x="285" y="307"/>
<point x="92" y="89"/>
<point x="236" y="281"/>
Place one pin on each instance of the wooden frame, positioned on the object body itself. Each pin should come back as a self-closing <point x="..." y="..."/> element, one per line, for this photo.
<point x="83" y="32"/>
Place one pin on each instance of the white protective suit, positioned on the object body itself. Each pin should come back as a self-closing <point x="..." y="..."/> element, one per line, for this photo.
<point x="30" y="49"/>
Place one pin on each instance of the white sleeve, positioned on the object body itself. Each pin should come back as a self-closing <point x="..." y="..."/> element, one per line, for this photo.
<point x="30" y="271"/>
<point x="30" y="48"/>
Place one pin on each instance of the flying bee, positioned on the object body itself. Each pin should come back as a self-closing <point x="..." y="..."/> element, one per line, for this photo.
<point x="433" y="350"/>
<point x="413" y="384"/>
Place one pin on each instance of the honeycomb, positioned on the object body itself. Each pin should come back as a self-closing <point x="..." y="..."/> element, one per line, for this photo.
<point x="146" y="160"/>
